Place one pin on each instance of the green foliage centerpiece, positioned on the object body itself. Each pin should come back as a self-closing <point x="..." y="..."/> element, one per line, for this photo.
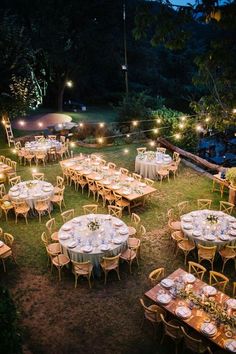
<point x="212" y="219"/>
<point x="93" y="225"/>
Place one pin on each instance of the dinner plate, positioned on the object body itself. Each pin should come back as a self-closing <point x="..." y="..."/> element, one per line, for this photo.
<point x="87" y="172"/>
<point x="224" y="237"/>
<point x="117" y="240"/>
<point x="115" y="186"/>
<point x="123" y="231"/>
<point x="231" y="303"/>
<point x="15" y="194"/>
<point x="183" y="312"/>
<point x="46" y="184"/>
<point x="210" y="237"/>
<point x="118" y="223"/>
<point x="106" y="182"/>
<point x="208" y="329"/>
<point x="230" y="345"/>
<point x="23" y="196"/>
<point x="72" y="244"/>
<point x="196" y="233"/>
<point x="233" y="225"/>
<point x="167" y="283"/>
<point x="189" y="278"/>
<point x="187" y="219"/>
<point x="87" y="249"/>
<point x="187" y="226"/>
<point x="104" y="247"/>
<point x="126" y="192"/>
<point x="79" y="168"/>
<point x="1" y="243"/>
<point x="164" y="299"/>
<point x="14" y="189"/>
<point x="209" y="290"/>
<point x="66" y="227"/>
<point x="64" y="237"/>
<point x="98" y="178"/>
<point x="129" y="179"/>
<point x="233" y="232"/>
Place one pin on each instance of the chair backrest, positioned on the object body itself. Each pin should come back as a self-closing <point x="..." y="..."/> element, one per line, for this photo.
<point x="68" y="215"/>
<point x="60" y="181"/>
<point x="19" y="204"/>
<point x="156" y="275"/>
<point x="183" y="207"/>
<point x="52" y="150"/>
<point x="141" y="150"/>
<point x="50" y="225"/>
<point x="111" y="262"/>
<point x="60" y="192"/>
<point x="52" y="137"/>
<point x="115" y="211"/>
<point x="2" y="190"/>
<point x="142" y="230"/>
<point x="124" y="171"/>
<point x="90" y="209"/>
<point x="204" y="203"/>
<point x="44" y="238"/>
<point x="151" y="313"/>
<point x="161" y="149"/>
<point x="117" y="196"/>
<point x="15" y="180"/>
<point x="196" y="269"/>
<point x="38" y="176"/>
<point x="91" y="182"/>
<point x="226" y="207"/>
<point x="8" y="161"/>
<point x="206" y="252"/>
<point x="195" y="345"/>
<point x="171" y="330"/>
<point x="170" y="214"/>
<point x="42" y="203"/>
<point x="102" y="162"/>
<point x="38" y="137"/>
<point x="137" y="177"/>
<point x="13" y="165"/>
<point x="218" y="280"/>
<point x="79" y="267"/>
<point x="62" y="139"/>
<point x="8" y="239"/>
<point x="149" y="182"/>
<point x="175" y="156"/>
<point x="135" y="218"/>
<point x="2" y="158"/>
<point x="111" y="165"/>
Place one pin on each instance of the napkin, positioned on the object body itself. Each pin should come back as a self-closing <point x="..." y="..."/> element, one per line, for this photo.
<point x="164" y="298"/>
<point x="167" y="283"/>
<point x="209" y="290"/>
<point x="231" y="345"/>
<point x="183" y="311"/>
<point x="209" y="329"/>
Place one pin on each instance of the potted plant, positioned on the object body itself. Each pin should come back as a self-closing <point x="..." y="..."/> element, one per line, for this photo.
<point x="231" y="176"/>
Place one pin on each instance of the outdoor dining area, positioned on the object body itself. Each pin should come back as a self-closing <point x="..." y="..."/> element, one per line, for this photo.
<point x="191" y="306"/>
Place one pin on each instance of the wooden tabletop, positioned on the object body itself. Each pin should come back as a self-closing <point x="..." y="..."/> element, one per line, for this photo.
<point x="4" y="249"/>
<point x="198" y="315"/>
<point x="122" y="178"/>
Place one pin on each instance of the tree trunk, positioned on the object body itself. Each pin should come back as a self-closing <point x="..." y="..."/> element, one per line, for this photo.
<point x="189" y="155"/>
<point x="60" y="97"/>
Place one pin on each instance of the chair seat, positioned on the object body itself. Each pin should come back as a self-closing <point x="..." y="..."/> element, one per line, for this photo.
<point x="22" y="210"/>
<point x="54" y="248"/>
<point x="186" y="245"/>
<point x="128" y="254"/>
<point x="42" y="208"/>
<point x="175" y="225"/>
<point x="133" y="242"/>
<point x="5" y="197"/>
<point x="56" y="199"/>
<point x="227" y="253"/>
<point x="132" y="230"/>
<point x="60" y="260"/>
<point x="6" y="255"/>
<point x="54" y="236"/>
<point x="122" y="203"/>
<point x="177" y="236"/>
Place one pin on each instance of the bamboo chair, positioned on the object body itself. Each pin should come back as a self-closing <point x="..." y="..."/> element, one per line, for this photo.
<point x="121" y="202"/>
<point x="21" y="155"/>
<point x="135" y="220"/>
<point x="59" y="183"/>
<point x="115" y="211"/>
<point x="74" y="178"/>
<point x="58" y="198"/>
<point x="175" y="156"/>
<point x="183" y="207"/>
<point x="141" y="150"/>
<point x="13" y="165"/>
<point x="124" y="171"/>
<point x="68" y="215"/>
<point x="52" y="249"/>
<point x="111" y="166"/>
<point x="52" y="154"/>
<point x="83" y="269"/>
<point x="40" y="156"/>
<point x="137" y="177"/>
<point x="186" y="246"/>
<point x="28" y="157"/>
<point x="90" y="209"/>
<point x="204" y="204"/>
<point x="62" y="152"/>
<point x="173" y="331"/>
<point x="91" y="187"/>
<point x="196" y="269"/>
<point x="156" y="275"/>
<point x="218" y="280"/>
<point x="15" y="180"/>
<point x="109" y="196"/>
<point x="196" y="345"/>
<point x="51" y="227"/>
<point x="6" y="206"/>
<point x="8" y="240"/>
<point x="110" y="263"/>
<point x="8" y="161"/>
<point x="21" y="208"/>
<point x="62" y="139"/>
<point x="100" y="192"/>
<point x="102" y="162"/>
<point x="2" y="158"/>
<point x="38" y="137"/>
<point x="52" y="137"/>
<point x="173" y="167"/>
<point x="59" y="261"/>
<point x="163" y="172"/>
<point x="173" y="224"/>
<point x="152" y="314"/>
<point x="149" y="182"/>
<point x="3" y="191"/>
<point x="38" y="176"/>
<point x="11" y="175"/>
<point x="177" y="236"/>
<point x="131" y="254"/>
<point x="227" y="253"/>
<point x="82" y="182"/>
<point x="66" y="174"/>
<point x="206" y="253"/>
<point x="43" y="206"/>
<point x="226" y="207"/>
<point x="142" y="231"/>
<point x="161" y="149"/>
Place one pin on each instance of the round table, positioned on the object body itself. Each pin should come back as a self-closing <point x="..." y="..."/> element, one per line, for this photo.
<point x="81" y="244"/>
<point x="148" y="163"/>
<point x="198" y="228"/>
<point x="44" y="145"/>
<point x="30" y="191"/>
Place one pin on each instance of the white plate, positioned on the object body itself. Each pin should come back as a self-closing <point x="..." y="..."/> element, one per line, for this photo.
<point x="64" y="237"/>
<point x="106" y="182"/>
<point x="104" y="248"/>
<point x="14" y="189"/>
<point x="46" y="184"/>
<point x="129" y="179"/>
<point x="164" y="298"/>
<point x="23" y="196"/>
<point x="117" y="241"/>
<point x="72" y="244"/>
<point x="209" y="329"/>
<point x="123" y="231"/>
<point x="1" y="243"/>
<point x="210" y="237"/>
<point x="196" y="233"/>
<point x="233" y="225"/>
<point x="98" y="178"/>
<point x="118" y="223"/>
<point x="79" y="168"/>
<point x="187" y="219"/>
<point x="189" y="278"/>
<point x="233" y="232"/>
<point x="231" y="303"/>
<point x="167" y="283"/>
<point x="183" y="312"/>
<point x="187" y="226"/>
<point x="230" y="345"/>
<point x="142" y="184"/>
<point x="126" y="192"/>
<point x="115" y="187"/>
<point x="224" y="237"/>
<point x="15" y="194"/>
<point x="87" y="249"/>
<point x="209" y="290"/>
<point x="87" y="172"/>
<point x="66" y="227"/>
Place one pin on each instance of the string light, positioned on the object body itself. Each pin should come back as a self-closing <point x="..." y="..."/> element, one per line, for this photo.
<point x="198" y="128"/>
<point x="34" y="170"/>
<point x="40" y="124"/>
<point x="69" y="83"/>
<point x="181" y="125"/>
<point x="155" y="130"/>
<point x="100" y="140"/>
<point x="72" y="144"/>
<point x="126" y="151"/>
<point x="101" y="125"/>
<point x="234" y="110"/>
<point x="152" y="143"/>
<point x="81" y="125"/>
<point x="14" y="151"/>
<point x="22" y="123"/>
<point x="183" y="118"/>
<point x="60" y="125"/>
<point x="128" y="136"/>
<point x="135" y="123"/>
<point x="208" y="119"/>
<point x="158" y="120"/>
<point x="177" y="136"/>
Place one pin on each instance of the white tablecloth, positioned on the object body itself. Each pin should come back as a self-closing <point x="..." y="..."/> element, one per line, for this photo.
<point x="112" y="234"/>
<point x="147" y="165"/>
<point x="35" y="146"/>
<point x="196" y="227"/>
<point x="30" y="191"/>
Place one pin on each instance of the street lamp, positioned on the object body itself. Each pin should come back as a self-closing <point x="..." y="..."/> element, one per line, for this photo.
<point x="69" y="83"/>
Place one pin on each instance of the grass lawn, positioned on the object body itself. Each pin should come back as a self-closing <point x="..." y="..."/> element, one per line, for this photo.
<point x="55" y="317"/>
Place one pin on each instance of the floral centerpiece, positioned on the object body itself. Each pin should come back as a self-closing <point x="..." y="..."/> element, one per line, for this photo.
<point x="212" y="219"/>
<point x="30" y="184"/>
<point x="231" y="176"/>
<point x="93" y="225"/>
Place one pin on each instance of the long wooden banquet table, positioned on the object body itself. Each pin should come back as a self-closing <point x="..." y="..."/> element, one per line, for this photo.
<point x="138" y="191"/>
<point x="199" y="315"/>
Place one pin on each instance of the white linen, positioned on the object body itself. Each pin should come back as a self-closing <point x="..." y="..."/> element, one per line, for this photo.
<point x="44" y="145"/>
<point x="147" y="165"/>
